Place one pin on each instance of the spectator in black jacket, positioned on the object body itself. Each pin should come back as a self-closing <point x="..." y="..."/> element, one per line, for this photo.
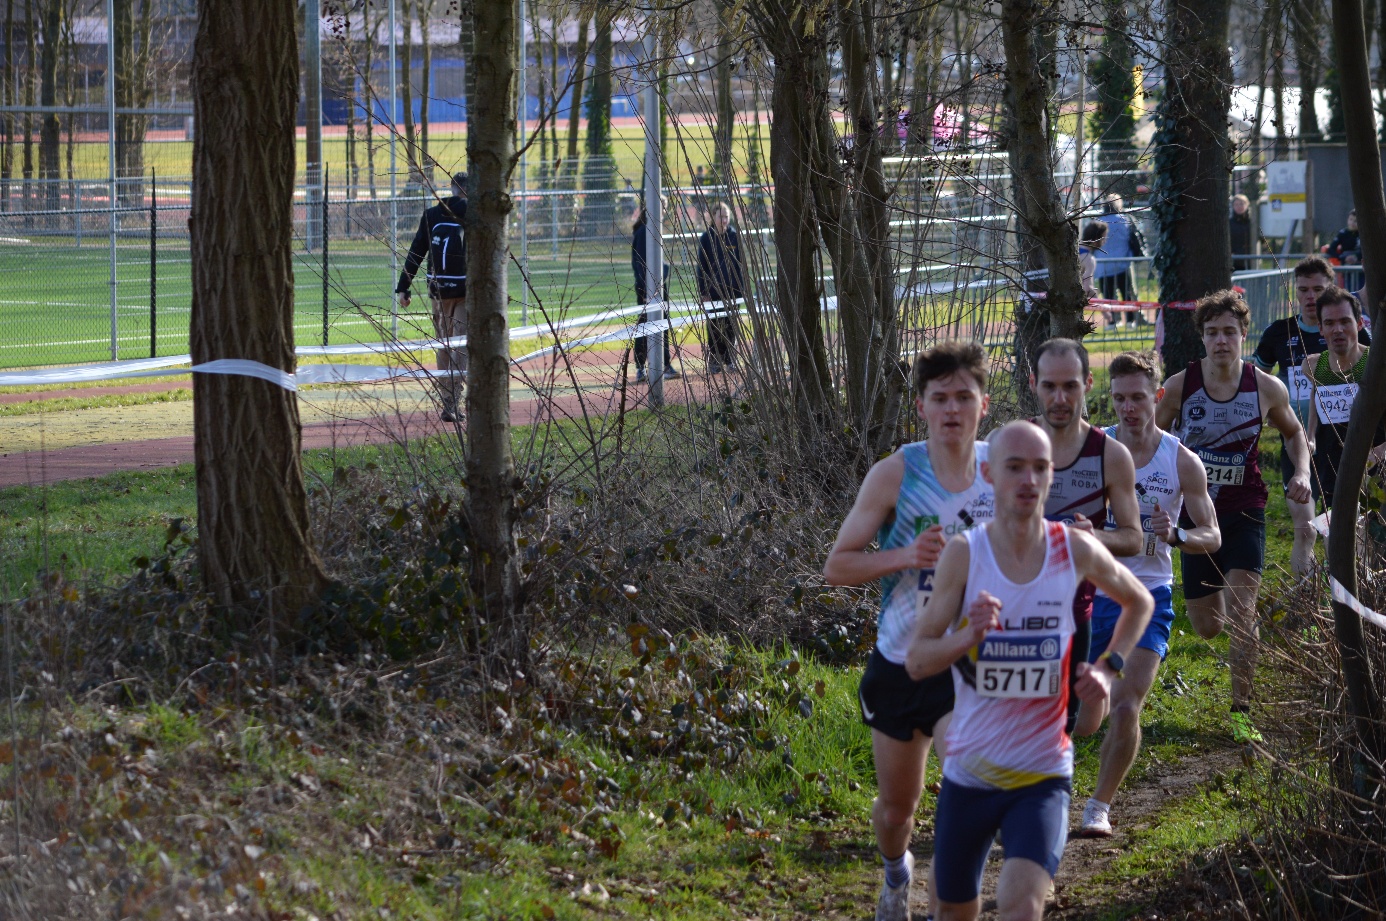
<point x="637" y="265"/>
<point x="721" y="281"/>
<point x="1347" y="249"/>
<point x="441" y="238"/>
<point x="1239" y="231"/>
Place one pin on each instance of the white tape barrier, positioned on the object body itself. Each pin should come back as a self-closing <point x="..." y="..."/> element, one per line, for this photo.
<point x="1338" y="590"/>
<point x="682" y="314"/>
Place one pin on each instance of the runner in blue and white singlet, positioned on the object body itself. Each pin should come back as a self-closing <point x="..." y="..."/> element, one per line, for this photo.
<point x="922" y="504"/>
<point x="1156" y="482"/>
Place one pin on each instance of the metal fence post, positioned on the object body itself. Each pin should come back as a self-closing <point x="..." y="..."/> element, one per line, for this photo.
<point x="324" y="253"/>
<point x="153" y="261"/>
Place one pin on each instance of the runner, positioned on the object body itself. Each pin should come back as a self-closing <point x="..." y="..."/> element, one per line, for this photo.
<point x="1334" y="377"/>
<point x="1094" y="478"/>
<point x="1285" y="343"/>
<point x="1167" y="475"/>
<point x="1219" y="404"/>
<point x="1002" y="616"/>
<point x="910" y="503"/>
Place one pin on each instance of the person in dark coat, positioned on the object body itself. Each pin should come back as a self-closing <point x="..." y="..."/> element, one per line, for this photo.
<point x="1347" y="249"/>
<point x="721" y="283"/>
<point x="1239" y="231"/>
<point x="638" y="265"/>
<point x="441" y="238"/>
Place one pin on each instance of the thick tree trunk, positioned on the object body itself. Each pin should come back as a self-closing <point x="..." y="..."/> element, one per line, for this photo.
<point x="252" y="508"/>
<point x="1192" y="168"/>
<point x="491" y="487"/>
<point x="1364" y="167"/>
<point x="800" y="74"/>
<point x="1037" y="201"/>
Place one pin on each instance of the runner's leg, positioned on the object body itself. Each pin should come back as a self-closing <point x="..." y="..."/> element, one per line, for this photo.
<point x="1020" y="890"/>
<point x="1123" y="739"/>
<point x="1302" y="553"/>
<point x="1207" y="614"/>
<point x="899" y="781"/>
<point x="1243" y="635"/>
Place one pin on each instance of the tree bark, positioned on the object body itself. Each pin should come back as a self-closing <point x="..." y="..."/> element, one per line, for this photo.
<point x="1307" y="26"/>
<point x="50" y="129"/>
<point x="800" y="75"/>
<point x="405" y="56"/>
<point x="1364" y="168"/>
<point x="1037" y="200"/>
<point x="726" y="110"/>
<point x="598" y="168"/>
<point x="579" y="76"/>
<point x="1114" y="123"/>
<point x="1192" y="169"/>
<point x="8" y="96"/>
<point x="425" y="90"/>
<point x="133" y="40"/>
<point x="491" y="494"/>
<point x="254" y="547"/>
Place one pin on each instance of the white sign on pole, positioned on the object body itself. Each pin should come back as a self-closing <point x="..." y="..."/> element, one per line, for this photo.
<point x="1286" y="197"/>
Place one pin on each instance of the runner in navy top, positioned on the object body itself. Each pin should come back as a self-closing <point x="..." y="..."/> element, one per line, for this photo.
<point x="1216" y="407"/>
<point x="1282" y="349"/>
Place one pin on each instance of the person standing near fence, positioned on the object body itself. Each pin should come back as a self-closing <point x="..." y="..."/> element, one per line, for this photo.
<point x="637" y="265"/>
<point x="1239" y="232"/>
<point x="1284" y="344"/>
<point x="1115" y="276"/>
<point x="721" y="281"/>
<point x="442" y="239"/>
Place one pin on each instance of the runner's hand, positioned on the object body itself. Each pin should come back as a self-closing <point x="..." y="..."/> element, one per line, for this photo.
<point x="1081" y="522"/>
<point x="1093" y="686"/>
<point x="1298" y="490"/>
<point x="924" y="552"/>
<point x="983" y="616"/>
<point x="404" y="298"/>
<point x="1162" y="524"/>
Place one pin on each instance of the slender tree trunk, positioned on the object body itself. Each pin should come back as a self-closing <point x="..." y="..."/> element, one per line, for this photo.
<point x="1276" y="20"/>
<point x="254" y="547"/>
<point x="425" y="90"/>
<point x="579" y="75"/>
<point x="491" y="496"/>
<point x="50" y="131"/>
<point x="353" y="164"/>
<point x="1037" y="200"/>
<point x="30" y="99"/>
<point x="1364" y="167"/>
<point x="405" y="57"/>
<point x="372" y="98"/>
<point x="555" y="90"/>
<point x="726" y="109"/>
<point x="928" y="51"/>
<point x="1192" y="166"/>
<point x="598" y="168"/>
<point x="8" y="96"/>
<point x="133" y="39"/>
<point x="1306" y="19"/>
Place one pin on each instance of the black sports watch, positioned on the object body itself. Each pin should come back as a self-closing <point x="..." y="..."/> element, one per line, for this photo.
<point x="1115" y="662"/>
<point x="1179" y="538"/>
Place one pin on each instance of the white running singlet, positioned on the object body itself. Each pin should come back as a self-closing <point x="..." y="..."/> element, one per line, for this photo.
<point x="1157" y="481"/>
<point x="1011" y="708"/>
<point x="923" y="503"/>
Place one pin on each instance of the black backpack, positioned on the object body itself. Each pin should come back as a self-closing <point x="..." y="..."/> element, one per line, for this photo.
<point x="447" y="250"/>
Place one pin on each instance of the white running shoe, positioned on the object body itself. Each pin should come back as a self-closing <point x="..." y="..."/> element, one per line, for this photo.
<point x="894" y="904"/>
<point x="1097" y="822"/>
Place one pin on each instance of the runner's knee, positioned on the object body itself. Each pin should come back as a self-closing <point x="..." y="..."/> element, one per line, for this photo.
<point x="896" y="811"/>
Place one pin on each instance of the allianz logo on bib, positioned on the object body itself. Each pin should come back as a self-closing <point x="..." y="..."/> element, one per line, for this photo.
<point x="1039" y="648"/>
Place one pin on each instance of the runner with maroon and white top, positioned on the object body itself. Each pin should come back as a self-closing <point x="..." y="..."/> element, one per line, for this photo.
<point x="1003" y="605"/>
<point x="1094" y="478"/>
<point x="1217" y="406"/>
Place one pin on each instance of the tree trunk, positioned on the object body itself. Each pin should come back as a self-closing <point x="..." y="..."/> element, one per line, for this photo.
<point x="405" y="57"/>
<point x="598" y="169"/>
<point x="30" y="99"/>
<point x="1275" y="20"/>
<point x="491" y="496"/>
<point x="726" y="110"/>
<point x="924" y="91"/>
<point x="50" y="130"/>
<point x="252" y="509"/>
<point x="1307" y="24"/>
<point x="1364" y="168"/>
<point x="132" y="87"/>
<point x="1193" y="163"/>
<point x="1114" y="124"/>
<point x="800" y="74"/>
<point x="372" y="33"/>
<point x="1037" y="200"/>
<point x="579" y="75"/>
<point x="8" y="97"/>
<point x="425" y="91"/>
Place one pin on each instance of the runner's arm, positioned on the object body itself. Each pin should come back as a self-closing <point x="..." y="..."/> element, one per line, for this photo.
<point x="1125" y="538"/>
<point x="1279" y="414"/>
<point x="848" y="562"/>
<point x="1094" y="563"/>
<point x="930" y="651"/>
<point x="1167" y="410"/>
<point x="1265" y="356"/>
<point x="1311" y="431"/>
<point x="1205" y="536"/>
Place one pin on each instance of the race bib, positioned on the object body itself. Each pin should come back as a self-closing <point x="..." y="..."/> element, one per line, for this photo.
<point x="924" y="592"/>
<point x="1019" y="667"/>
<point x="1224" y="468"/>
<point x="1300" y="388"/>
<point x="1334" y="403"/>
<point x="1148" y="533"/>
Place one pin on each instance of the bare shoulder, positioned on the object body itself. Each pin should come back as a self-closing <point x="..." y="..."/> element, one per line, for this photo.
<point x="1271" y="387"/>
<point x="1117" y="452"/>
<point x="1190" y="467"/>
<point x="884" y="478"/>
<point x="1310" y="363"/>
<point x="1175" y="384"/>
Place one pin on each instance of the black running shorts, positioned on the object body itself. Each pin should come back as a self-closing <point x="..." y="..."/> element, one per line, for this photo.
<point x="894" y="704"/>
<point x="1243" y="547"/>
